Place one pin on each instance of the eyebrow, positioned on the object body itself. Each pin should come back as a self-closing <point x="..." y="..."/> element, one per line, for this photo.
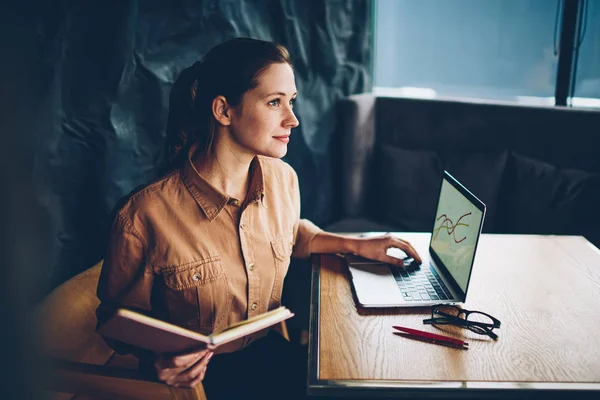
<point x="279" y="93"/>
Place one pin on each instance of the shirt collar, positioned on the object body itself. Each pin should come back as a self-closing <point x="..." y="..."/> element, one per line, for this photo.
<point x="210" y="199"/>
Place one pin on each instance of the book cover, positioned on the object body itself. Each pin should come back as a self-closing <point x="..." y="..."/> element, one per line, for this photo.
<point x="140" y="330"/>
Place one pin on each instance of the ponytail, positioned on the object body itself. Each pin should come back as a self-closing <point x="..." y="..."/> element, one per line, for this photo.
<point x="180" y="132"/>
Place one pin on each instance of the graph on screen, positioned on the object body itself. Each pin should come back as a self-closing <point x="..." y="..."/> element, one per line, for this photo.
<point x="447" y="225"/>
<point x="455" y="232"/>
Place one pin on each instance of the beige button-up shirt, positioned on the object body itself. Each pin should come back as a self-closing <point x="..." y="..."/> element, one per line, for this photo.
<point x="186" y="253"/>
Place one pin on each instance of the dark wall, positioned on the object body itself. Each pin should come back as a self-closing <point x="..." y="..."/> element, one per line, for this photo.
<point x="103" y="73"/>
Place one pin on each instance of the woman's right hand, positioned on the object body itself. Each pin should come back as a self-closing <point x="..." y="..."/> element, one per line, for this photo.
<point x="184" y="370"/>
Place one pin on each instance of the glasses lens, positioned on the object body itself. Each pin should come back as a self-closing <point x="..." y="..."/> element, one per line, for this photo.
<point x="447" y="311"/>
<point x="477" y="329"/>
<point x="480" y="319"/>
<point x="483" y="331"/>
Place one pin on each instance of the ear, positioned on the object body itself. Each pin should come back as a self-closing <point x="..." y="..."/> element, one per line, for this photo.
<point x="221" y="110"/>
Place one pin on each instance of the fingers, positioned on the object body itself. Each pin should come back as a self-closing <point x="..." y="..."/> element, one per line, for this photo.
<point x="179" y="361"/>
<point x="197" y="379"/>
<point x="193" y="382"/>
<point x="191" y="376"/>
<point x="376" y="249"/>
<point x="407" y="248"/>
<point x="192" y="373"/>
<point x="169" y="366"/>
<point x="393" y="260"/>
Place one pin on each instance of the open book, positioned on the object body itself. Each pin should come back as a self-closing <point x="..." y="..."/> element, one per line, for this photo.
<point x="162" y="337"/>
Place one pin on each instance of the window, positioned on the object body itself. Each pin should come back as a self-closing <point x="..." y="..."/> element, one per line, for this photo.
<point x="587" y="78"/>
<point x="499" y="50"/>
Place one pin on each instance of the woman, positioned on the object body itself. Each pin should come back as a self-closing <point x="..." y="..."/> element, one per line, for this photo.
<point x="209" y="243"/>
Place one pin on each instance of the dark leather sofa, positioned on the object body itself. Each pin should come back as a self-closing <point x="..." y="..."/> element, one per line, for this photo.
<point x="536" y="168"/>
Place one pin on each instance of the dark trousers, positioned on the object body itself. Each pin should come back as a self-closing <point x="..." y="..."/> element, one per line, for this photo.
<point x="270" y="368"/>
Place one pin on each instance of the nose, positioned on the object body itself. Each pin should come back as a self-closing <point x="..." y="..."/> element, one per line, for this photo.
<point x="291" y="121"/>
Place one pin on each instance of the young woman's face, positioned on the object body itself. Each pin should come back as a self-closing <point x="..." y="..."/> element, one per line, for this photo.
<point x="262" y="123"/>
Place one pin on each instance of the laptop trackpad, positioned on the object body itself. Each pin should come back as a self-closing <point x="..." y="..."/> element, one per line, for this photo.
<point x="375" y="285"/>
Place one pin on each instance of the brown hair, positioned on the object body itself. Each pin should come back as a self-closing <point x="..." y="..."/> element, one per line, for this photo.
<point x="230" y="70"/>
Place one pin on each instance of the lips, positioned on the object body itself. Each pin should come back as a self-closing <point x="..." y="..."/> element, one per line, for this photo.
<point x="283" y="139"/>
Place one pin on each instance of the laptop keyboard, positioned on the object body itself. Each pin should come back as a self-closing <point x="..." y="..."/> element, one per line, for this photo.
<point x="418" y="284"/>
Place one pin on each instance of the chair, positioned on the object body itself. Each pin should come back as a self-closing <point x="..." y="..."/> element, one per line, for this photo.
<point x="83" y="366"/>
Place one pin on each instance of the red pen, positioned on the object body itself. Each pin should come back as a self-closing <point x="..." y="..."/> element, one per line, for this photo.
<point x="432" y="337"/>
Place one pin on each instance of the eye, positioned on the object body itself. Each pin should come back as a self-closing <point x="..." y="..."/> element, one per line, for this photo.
<point x="274" y="103"/>
<point x="293" y="102"/>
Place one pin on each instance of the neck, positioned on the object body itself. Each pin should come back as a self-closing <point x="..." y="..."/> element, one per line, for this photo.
<point x="225" y="168"/>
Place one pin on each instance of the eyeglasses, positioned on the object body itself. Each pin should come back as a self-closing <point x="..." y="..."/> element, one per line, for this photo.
<point x="476" y="321"/>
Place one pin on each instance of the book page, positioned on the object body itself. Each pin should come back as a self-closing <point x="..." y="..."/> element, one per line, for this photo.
<point x="251" y="320"/>
<point x="251" y="325"/>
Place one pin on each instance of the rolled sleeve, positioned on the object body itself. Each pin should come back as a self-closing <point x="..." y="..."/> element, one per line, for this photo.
<point x="304" y="230"/>
<point x="126" y="279"/>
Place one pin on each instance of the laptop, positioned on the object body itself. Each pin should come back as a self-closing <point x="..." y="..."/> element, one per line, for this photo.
<point x="443" y="276"/>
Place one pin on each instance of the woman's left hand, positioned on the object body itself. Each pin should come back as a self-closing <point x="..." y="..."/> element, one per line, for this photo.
<point x="376" y="249"/>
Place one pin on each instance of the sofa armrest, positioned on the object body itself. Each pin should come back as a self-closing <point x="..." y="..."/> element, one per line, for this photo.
<point x="356" y="135"/>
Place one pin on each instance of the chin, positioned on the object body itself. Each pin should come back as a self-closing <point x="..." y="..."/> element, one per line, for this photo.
<point x="275" y="152"/>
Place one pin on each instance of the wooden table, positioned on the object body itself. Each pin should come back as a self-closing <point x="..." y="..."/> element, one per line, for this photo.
<point x="544" y="289"/>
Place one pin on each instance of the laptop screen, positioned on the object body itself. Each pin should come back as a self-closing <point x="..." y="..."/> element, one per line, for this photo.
<point x="456" y="229"/>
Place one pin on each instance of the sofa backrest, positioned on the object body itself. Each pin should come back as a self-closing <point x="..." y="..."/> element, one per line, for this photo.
<point x="530" y="165"/>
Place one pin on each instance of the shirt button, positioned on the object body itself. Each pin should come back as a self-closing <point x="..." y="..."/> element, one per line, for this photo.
<point x="196" y="277"/>
<point x="251" y="266"/>
<point x="253" y="306"/>
<point x="242" y="226"/>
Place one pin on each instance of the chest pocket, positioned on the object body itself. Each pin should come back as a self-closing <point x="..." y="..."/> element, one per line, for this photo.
<point x="282" y="251"/>
<point x="198" y="295"/>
